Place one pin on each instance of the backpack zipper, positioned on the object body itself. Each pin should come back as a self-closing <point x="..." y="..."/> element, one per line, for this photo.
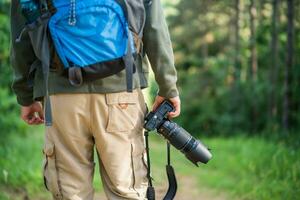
<point x="72" y="13"/>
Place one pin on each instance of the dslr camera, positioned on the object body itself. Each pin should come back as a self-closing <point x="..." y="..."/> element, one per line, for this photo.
<point x="192" y="148"/>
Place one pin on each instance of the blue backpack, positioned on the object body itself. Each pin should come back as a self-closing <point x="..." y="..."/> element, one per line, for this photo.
<point x="92" y="38"/>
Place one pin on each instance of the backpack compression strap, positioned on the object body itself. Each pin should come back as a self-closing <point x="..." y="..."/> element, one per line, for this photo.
<point x="45" y="54"/>
<point x="129" y="66"/>
<point x="128" y="57"/>
<point x="41" y="45"/>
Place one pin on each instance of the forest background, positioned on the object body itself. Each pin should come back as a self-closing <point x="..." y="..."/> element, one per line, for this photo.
<point x="238" y="64"/>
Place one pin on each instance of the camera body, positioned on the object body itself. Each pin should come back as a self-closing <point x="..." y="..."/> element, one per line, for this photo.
<point x="192" y="148"/>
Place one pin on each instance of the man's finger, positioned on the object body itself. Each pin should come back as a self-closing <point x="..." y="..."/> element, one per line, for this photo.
<point x="176" y="113"/>
<point x="173" y="114"/>
<point x="155" y="106"/>
<point x="41" y="114"/>
<point x="38" y="121"/>
<point x="31" y="120"/>
<point x="35" y="121"/>
<point x="25" y="117"/>
<point x="158" y="100"/>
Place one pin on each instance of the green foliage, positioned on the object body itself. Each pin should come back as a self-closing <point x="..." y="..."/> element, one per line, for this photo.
<point x="20" y="161"/>
<point x="246" y="168"/>
<point x="5" y="72"/>
<point x="213" y="101"/>
<point x="9" y="120"/>
<point x="259" y="169"/>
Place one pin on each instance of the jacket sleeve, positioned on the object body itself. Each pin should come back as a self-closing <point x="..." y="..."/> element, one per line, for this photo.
<point x="158" y="47"/>
<point x="22" y="56"/>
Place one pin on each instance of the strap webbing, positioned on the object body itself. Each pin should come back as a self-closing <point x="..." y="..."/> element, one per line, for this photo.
<point x="129" y="65"/>
<point x="46" y="65"/>
<point x="148" y="158"/>
<point x="39" y="39"/>
<point x="150" y="189"/>
<point x="171" y="177"/>
<point x="128" y="58"/>
<point x="75" y="76"/>
<point x="168" y="154"/>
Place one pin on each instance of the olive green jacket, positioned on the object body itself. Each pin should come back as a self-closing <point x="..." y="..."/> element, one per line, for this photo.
<point x="156" y="45"/>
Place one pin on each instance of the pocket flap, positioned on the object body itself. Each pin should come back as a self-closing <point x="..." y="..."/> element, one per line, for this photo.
<point x="123" y="97"/>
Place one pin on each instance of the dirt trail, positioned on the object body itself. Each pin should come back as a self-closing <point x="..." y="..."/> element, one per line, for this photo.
<point x="187" y="190"/>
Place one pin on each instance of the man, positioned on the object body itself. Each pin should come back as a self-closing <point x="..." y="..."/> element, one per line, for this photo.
<point x="99" y="113"/>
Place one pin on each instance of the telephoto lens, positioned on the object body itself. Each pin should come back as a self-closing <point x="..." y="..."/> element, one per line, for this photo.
<point x="192" y="148"/>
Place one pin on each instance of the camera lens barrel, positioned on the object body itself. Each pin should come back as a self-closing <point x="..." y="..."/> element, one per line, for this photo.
<point x="176" y="135"/>
<point x="193" y="149"/>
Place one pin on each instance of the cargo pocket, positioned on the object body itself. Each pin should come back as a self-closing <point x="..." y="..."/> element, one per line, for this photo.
<point x="50" y="171"/>
<point x="123" y="111"/>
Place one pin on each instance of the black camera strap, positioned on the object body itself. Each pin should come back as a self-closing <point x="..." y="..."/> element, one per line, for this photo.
<point x="171" y="177"/>
<point x="170" y="173"/>
<point x="150" y="189"/>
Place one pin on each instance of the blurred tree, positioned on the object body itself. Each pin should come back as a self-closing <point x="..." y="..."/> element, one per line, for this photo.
<point x="237" y="57"/>
<point x="218" y="48"/>
<point x="253" y="60"/>
<point x="274" y="67"/>
<point x="288" y="67"/>
<point x="252" y="42"/>
<point x="9" y="119"/>
<point x="5" y="71"/>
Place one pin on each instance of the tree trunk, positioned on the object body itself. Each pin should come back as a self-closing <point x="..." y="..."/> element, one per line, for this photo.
<point x="253" y="62"/>
<point x="288" y="68"/>
<point x="237" y="62"/>
<point x="274" y="68"/>
<point x="235" y="93"/>
<point x="253" y="56"/>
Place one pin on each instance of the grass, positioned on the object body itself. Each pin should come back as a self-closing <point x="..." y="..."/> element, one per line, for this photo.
<point x="241" y="168"/>
<point x="21" y="166"/>
<point x="244" y="168"/>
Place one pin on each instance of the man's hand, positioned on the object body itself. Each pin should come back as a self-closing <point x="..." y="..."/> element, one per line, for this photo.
<point x="33" y="114"/>
<point x="175" y="101"/>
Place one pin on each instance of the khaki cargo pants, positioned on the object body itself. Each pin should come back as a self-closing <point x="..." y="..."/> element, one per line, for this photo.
<point x="113" y="123"/>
